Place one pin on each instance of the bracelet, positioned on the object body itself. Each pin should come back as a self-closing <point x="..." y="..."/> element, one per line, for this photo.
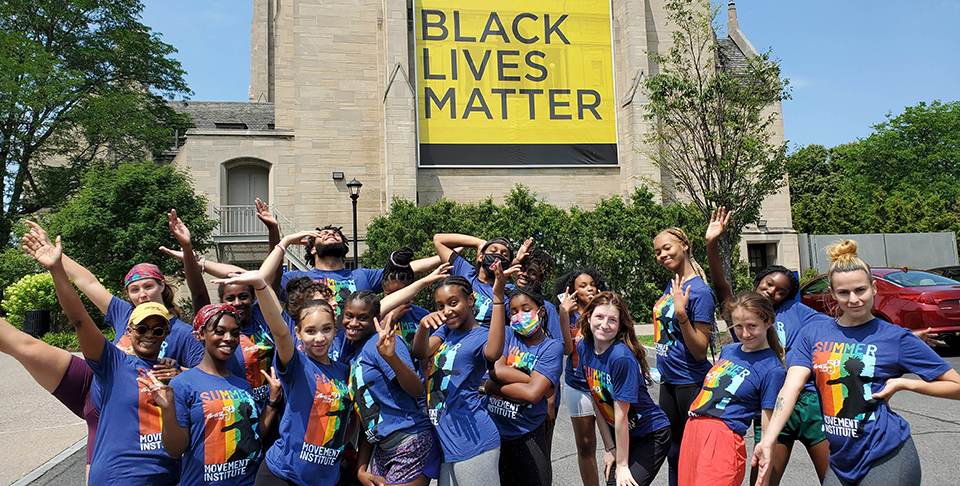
<point x="203" y="265"/>
<point x="281" y="247"/>
<point x="273" y="404"/>
<point x="261" y="288"/>
<point x="610" y="449"/>
<point x="498" y="303"/>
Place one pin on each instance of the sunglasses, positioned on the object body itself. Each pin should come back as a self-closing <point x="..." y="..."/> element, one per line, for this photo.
<point x="157" y="331"/>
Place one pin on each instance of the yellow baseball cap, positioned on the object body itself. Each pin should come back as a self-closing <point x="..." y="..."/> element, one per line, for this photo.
<point x="146" y="310"/>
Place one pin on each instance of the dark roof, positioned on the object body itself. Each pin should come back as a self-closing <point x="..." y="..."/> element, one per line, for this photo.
<point x="732" y="58"/>
<point x="207" y="115"/>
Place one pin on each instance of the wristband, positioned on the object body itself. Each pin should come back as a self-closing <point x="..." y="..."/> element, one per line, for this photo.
<point x="281" y="247"/>
<point x="498" y="303"/>
<point x="610" y="449"/>
<point x="261" y="288"/>
<point x="273" y="404"/>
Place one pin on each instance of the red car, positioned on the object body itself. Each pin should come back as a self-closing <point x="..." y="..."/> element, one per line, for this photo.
<point x="913" y="299"/>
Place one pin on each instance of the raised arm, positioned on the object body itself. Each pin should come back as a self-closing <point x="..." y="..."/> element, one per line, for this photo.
<point x="408" y="379"/>
<point x="718" y="224"/>
<point x="498" y="316"/>
<point x="84" y="280"/>
<point x="695" y="334"/>
<point x="273" y="238"/>
<point x="194" y="276"/>
<point x="88" y="334"/>
<point x="786" y="401"/>
<point x="216" y="269"/>
<point x="270" y="307"/>
<point x="567" y="306"/>
<point x="446" y="242"/>
<point x="271" y="265"/>
<point x="407" y="293"/>
<point x="424" y="344"/>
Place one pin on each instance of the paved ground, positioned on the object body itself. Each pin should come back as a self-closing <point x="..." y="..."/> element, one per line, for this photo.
<point x="37" y="428"/>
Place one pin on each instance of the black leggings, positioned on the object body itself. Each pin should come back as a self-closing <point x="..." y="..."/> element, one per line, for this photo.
<point x="524" y="460"/>
<point x="265" y="477"/>
<point x="900" y="467"/>
<point x="646" y="456"/>
<point x="675" y="401"/>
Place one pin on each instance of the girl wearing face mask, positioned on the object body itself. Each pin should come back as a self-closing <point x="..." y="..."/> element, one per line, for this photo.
<point x="636" y="433"/>
<point x="132" y="452"/>
<point x="857" y="363"/>
<point x="480" y="275"/>
<point x="779" y="285"/>
<point x="744" y="381"/>
<point x="682" y="334"/>
<point x="520" y="383"/>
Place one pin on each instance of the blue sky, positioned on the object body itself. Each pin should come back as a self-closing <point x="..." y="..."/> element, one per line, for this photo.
<point x="850" y="61"/>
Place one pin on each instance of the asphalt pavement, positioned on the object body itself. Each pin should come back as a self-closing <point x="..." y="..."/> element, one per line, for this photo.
<point x="29" y="440"/>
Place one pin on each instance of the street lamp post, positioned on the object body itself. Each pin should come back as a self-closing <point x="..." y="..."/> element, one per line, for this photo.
<point x="354" y="187"/>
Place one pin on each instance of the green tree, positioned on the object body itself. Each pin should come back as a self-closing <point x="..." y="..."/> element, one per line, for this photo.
<point x="712" y="125"/>
<point x="118" y="219"/>
<point x="615" y="237"/>
<point x="80" y="80"/>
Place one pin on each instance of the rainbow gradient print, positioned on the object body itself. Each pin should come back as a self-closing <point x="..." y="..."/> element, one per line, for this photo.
<point x="719" y="388"/>
<point x="664" y="330"/>
<point x="257" y="356"/>
<point x="230" y="432"/>
<point x="844" y="373"/>
<point x="601" y="389"/>
<point x="521" y="360"/>
<point x="439" y="370"/>
<point x="329" y="414"/>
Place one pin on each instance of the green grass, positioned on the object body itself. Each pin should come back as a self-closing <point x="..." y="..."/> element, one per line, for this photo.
<point x="646" y="340"/>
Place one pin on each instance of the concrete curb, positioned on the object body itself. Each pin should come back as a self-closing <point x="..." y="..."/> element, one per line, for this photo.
<point x="36" y="473"/>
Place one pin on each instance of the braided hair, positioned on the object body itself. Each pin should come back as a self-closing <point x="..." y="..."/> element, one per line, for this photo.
<point x="398" y="267"/>
<point x="683" y="238"/>
<point x="543" y="260"/>
<point x="791" y="279"/>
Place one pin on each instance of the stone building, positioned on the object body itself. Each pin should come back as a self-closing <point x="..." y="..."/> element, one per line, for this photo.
<point x="332" y="99"/>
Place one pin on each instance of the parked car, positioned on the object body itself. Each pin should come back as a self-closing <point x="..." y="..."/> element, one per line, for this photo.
<point x="949" y="272"/>
<point x="913" y="299"/>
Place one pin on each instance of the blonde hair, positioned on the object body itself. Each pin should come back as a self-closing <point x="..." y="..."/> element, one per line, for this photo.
<point x="761" y="307"/>
<point x="680" y="235"/>
<point x="845" y="259"/>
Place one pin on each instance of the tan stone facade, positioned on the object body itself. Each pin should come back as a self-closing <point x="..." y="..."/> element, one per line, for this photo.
<point x="339" y="78"/>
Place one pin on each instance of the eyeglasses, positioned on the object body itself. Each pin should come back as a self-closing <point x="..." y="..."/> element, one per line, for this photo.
<point x="157" y="331"/>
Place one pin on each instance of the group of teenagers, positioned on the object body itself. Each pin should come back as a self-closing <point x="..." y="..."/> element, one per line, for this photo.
<point x="312" y="378"/>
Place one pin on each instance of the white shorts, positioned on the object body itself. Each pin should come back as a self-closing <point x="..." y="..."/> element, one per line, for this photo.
<point x="579" y="403"/>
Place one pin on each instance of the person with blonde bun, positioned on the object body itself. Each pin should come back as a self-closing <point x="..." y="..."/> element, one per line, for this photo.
<point x="857" y="364"/>
<point x="682" y="333"/>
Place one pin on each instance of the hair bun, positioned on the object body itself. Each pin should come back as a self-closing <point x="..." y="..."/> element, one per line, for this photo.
<point x="402" y="257"/>
<point x="845" y="250"/>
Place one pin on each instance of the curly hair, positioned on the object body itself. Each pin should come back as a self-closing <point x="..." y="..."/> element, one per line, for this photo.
<point x="791" y="279"/>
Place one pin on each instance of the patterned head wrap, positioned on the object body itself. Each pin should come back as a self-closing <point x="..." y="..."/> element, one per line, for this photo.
<point x="215" y="312"/>
<point x="141" y="271"/>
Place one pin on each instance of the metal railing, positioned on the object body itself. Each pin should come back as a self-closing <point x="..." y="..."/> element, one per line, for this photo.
<point x="242" y="221"/>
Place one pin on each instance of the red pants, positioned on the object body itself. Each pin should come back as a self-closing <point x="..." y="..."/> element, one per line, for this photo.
<point x="711" y="454"/>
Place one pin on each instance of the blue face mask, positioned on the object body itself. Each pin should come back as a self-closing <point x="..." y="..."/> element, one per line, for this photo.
<point x="525" y="323"/>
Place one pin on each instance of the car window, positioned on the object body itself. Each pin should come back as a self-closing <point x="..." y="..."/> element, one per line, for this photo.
<point x="916" y="278"/>
<point x="816" y="287"/>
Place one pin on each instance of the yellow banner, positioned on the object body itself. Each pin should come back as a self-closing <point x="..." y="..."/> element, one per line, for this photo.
<point x="515" y="72"/>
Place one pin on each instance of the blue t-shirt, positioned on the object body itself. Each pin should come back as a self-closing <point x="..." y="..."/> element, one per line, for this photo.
<point x="129" y="450"/>
<point x="342" y="282"/>
<point x="674" y="361"/>
<point x="849" y="365"/>
<point x="224" y="428"/>
<point x="792" y="317"/>
<point x="614" y="376"/>
<point x="482" y="292"/>
<point x="406" y="326"/>
<point x="383" y="405"/>
<point x="739" y="385"/>
<point x="179" y="344"/>
<point x="254" y="353"/>
<point x="573" y="375"/>
<point x="453" y="399"/>
<point x="313" y="428"/>
<point x="514" y="419"/>
<point x="553" y="327"/>
<point x="341" y="349"/>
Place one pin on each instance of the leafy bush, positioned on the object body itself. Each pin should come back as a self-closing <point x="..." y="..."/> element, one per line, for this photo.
<point x="14" y="264"/>
<point x="37" y="292"/>
<point x="616" y="237"/>
<point x="68" y="339"/>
